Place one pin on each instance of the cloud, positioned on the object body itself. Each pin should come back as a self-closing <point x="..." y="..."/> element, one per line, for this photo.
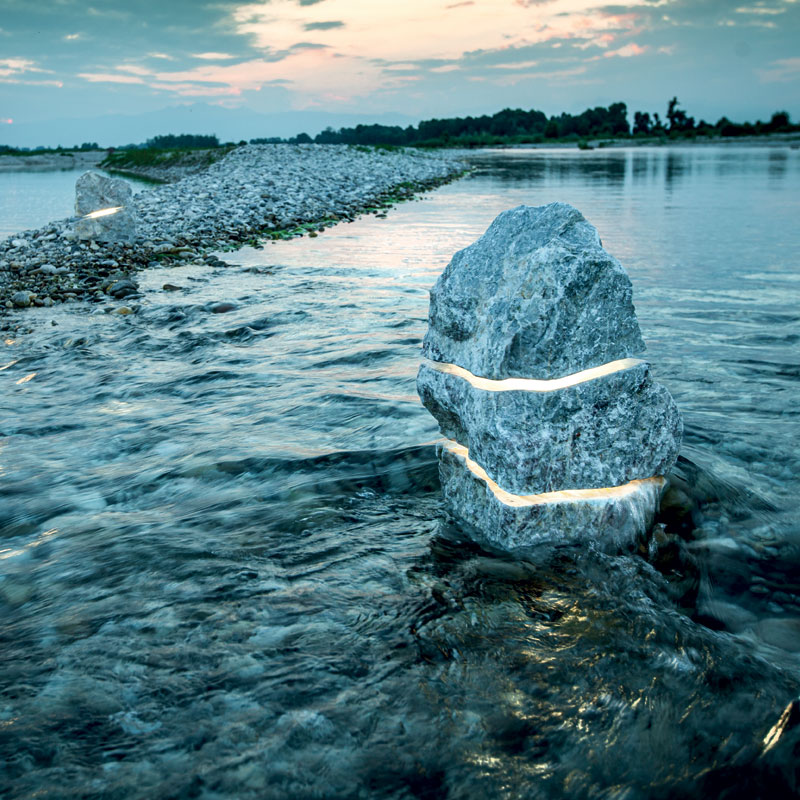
<point x="110" y="77"/>
<point x="517" y="65"/>
<point x="763" y="10"/>
<point x="164" y="56"/>
<point x="626" y="51"/>
<point x="18" y="70"/>
<point x="323" y="26"/>
<point x="213" y="56"/>
<point x="71" y="37"/>
<point x="781" y="71"/>
<point x="6" y="121"/>
<point x="461" y="5"/>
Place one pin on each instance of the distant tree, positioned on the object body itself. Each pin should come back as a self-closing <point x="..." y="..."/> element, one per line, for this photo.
<point x="780" y="121"/>
<point x="301" y="138"/>
<point x="678" y="119"/>
<point x="642" y="123"/>
<point x="268" y="140"/>
<point x="171" y="141"/>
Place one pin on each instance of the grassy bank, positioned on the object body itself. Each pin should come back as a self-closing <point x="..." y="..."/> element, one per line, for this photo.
<point x="160" y="165"/>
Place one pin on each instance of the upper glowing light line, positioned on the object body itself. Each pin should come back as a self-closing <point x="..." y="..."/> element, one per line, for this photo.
<point x="531" y="384"/>
<point x="546" y="498"/>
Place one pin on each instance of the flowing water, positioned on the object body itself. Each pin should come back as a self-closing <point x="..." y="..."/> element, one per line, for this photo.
<point x="222" y="568"/>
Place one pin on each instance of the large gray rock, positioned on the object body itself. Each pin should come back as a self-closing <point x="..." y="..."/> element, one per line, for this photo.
<point x="554" y="433"/>
<point x="104" y="206"/>
<point x="535" y="297"/>
<point x="603" y="432"/>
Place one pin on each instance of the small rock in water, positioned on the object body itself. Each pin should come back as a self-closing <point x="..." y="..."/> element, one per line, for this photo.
<point x="170" y="287"/>
<point x="222" y="308"/>
<point x="122" y="288"/>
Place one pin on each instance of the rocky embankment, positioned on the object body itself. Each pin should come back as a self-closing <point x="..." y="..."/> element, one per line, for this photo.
<point x="256" y="193"/>
<point x="68" y="159"/>
<point x="169" y="166"/>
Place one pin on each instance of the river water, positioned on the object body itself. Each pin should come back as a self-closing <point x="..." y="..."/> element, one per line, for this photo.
<point x="222" y="568"/>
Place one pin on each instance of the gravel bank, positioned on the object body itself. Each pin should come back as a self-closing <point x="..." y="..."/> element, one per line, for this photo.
<point x="256" y="193"/>
<point x="44" y="162"/>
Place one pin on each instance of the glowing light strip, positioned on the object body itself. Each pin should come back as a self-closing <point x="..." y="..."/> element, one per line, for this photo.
<point x="103" y="212"/>
<point x="531" y="384"/>
<point x="546" y="498"/>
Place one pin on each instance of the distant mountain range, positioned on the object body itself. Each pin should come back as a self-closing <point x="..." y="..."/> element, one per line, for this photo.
<point x="113" y="130"/>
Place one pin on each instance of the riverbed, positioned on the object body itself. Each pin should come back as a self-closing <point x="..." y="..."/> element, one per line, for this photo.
<point x="223" y="571"/>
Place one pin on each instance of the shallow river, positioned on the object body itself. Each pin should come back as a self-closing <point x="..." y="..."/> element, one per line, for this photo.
<point x="222" y="568"/>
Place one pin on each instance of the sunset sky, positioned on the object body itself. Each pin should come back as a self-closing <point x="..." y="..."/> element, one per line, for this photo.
<point x="421" y="58"/>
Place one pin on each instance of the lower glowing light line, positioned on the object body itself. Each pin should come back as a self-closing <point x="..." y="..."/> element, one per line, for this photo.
<point x="531" y="384"/>
<point x="546" y="498"/>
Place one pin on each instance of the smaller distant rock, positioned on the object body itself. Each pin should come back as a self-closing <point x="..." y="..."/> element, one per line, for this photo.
<point x="94" y="191"/>
<point x="171" y="287"/>
<point x="104" y="207"/>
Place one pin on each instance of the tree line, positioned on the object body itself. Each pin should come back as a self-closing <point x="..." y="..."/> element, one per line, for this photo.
<point x="517" y="126"/>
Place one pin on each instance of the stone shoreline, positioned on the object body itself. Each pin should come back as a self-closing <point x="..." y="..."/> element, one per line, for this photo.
<point x="255" y="194"/>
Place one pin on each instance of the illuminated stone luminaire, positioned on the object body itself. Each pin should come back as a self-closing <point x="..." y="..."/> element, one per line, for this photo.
<point x="555" y="430"/>
<point x="103" y="206"/>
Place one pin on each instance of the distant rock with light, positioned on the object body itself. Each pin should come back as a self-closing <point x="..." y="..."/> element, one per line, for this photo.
<point x="104" y="208"/>
<point x="554" y="431"/>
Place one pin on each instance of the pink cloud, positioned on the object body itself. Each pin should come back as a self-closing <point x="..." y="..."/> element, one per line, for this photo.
<point x="8" y="121"/>
<point x="627" y="51"/>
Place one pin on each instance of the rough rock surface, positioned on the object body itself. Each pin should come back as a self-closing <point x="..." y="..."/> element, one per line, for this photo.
<point x="610" y="524"/>
<point x="604" y="432"/>
<point x="97" y="193"/>
<point x="94" y="192"/>
<point x="535" y="297"/>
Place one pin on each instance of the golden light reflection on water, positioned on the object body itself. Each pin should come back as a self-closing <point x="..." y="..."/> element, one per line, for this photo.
<point x="40" y="539"/>
<point x="549" y="498"/>
<point x="10" y="364"/>
<point x="532" y="384"/>
<point x="27" y="378"/>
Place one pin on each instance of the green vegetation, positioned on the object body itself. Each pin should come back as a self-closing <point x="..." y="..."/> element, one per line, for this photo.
<point x="122" y="160"/>
<point x="516" y="126"/>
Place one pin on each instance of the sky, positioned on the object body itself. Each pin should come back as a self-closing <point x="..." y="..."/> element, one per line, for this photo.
<point x="62" y="59"/>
